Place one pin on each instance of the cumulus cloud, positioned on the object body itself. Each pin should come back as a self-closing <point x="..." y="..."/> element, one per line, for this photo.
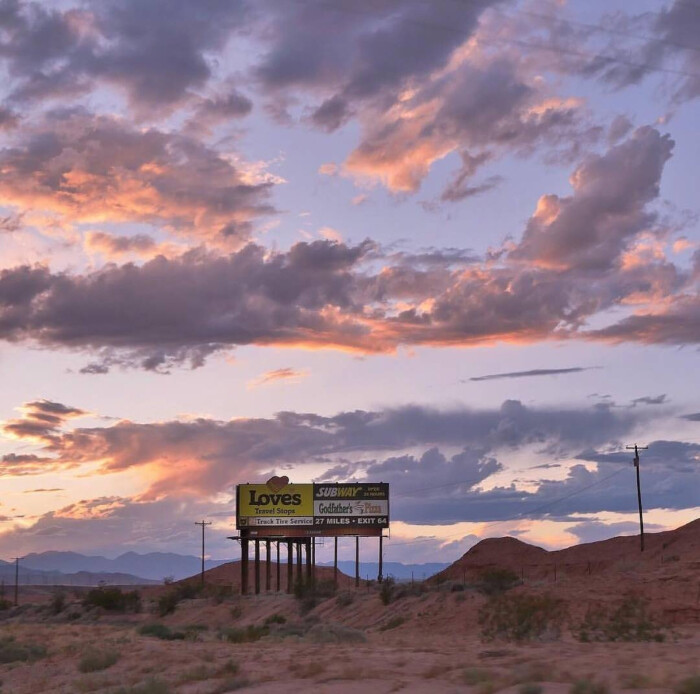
<point x="576" y="260"/>
<point x="90" y="169"/>
<point x="155" y="63"/>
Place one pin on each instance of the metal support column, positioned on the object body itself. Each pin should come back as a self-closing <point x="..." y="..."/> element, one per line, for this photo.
<point x="244" y="567"/>
<point x="357" y="561"/>
<point x="278" y="566"/>
<point x="299" y="577"/>
<point x="335" y="561"/>
<point x="257" y="567"/>
<point x="268" y="566"/>
<point x="380" y="577"/>
<point x="308" y="560"/>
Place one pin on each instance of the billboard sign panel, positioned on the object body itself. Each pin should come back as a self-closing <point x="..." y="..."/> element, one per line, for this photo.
<point x="278" y="507"/>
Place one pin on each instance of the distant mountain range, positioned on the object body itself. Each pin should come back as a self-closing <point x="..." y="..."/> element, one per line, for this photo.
<point x="131" y="568"/>
<point x="154" y="566"/>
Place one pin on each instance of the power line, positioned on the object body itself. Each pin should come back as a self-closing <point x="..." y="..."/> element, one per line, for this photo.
<point x="518" y="516"/>
<point x="648" y="67"/>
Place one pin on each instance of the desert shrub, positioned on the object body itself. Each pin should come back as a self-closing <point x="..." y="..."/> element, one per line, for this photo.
<point x="168" y="602"/>
<point x="475" y="675"/>
<point x="243" y="634"/>
<point x="5" y="604"/>
<point x="230" y="667"/>
<point x="334" y="633"/>
<point x="392" y="623"/>
<point x="231" y="685"/>
<point x="690" y="685"/>
<point x="113" y="599"/>
<point x="58" y="602"/>
<point x="497" y="581"/>
<point x="275" y="619"/>
<point x="345" y="598"/>
<point x="12" y="651"/>
<point x="161" y="631"/>
<point x="629" y="621"/>
<point x="588" y="686"/>
<point x="236" y="611"/>
<point x="635" y="680"/>
<point x="530" y="688"/>
<point x="94" y="661"/>
<point x="151" y="686"/>
<point x="386" y="592"/>
<point x="521" y="617"/>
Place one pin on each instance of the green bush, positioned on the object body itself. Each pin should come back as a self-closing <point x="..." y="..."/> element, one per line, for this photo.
<point x="530" y="688"/>
<point x="631" y="620"/>
<point x="151" y="686"/>
<point x="161" y="631"/>
<point x="345" y="598"/>
<point x="386" y="592"/>
<point x="58" y="602"/>
<point x="334" y="633"/>
<point x="587" y="686"/>
<point x="275" y="619"/>
<point x="168" y="602"/>
<point x="12" y="651"/>
<point x="113" y="599"/>
<point x="244" y="634"/>
<point x="5" y="604"/>
<point x="94" y="661"/>
<point x="690" y="685"/>
<point x="392" y="623"/>
<point x="521" y="617"/>
<point x="497" y="581"/>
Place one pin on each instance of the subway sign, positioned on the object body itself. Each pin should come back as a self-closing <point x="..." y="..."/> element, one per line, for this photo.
<point x="279" y="508"/>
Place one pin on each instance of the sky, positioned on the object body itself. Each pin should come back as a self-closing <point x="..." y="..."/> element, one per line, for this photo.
<point x="452" y="245"/>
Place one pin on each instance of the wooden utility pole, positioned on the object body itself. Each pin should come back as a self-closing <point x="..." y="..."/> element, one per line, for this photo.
<point x="204" y="524"/>
<point x="16" y="580"/>
<point x="639" y="489"/>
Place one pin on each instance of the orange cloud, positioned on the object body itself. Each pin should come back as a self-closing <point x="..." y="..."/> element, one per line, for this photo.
<point x="286" y="375"/>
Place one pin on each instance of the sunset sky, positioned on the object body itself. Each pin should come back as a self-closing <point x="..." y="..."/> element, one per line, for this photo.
<point x="453" y="245"/>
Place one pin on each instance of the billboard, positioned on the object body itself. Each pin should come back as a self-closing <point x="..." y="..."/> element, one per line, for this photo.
<point x="278" y="508"/>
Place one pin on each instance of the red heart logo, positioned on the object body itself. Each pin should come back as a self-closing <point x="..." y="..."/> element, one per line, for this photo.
<point x="276" y="483"/>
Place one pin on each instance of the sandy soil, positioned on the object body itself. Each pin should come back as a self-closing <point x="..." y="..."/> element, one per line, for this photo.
<point x="437" y="648"/>
<point x="426" y="639"/>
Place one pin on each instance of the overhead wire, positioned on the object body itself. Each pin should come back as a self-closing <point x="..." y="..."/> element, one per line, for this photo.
<point x="519" y="516"/>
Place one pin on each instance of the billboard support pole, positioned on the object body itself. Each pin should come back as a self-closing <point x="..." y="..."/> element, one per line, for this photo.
<point x="244" y="566"/>
<point x="335" y="561"/>
<point x="278" y="566"/>
<point x="308" y="560"/>
<point x="357" y="561"/>
<point x="290" y="566"/>
<point x="313" y="560"/>
<point x="267" y="565"/>
<point x="298" y="544"/>
<point x="380" y="578"/>
<point x="257" y="567"/>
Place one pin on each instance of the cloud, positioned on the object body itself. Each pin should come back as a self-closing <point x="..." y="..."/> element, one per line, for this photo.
<point x="155" y="63"/>
<point x="532" y="372"/>
<point x="286" y="375"/>
<point x="694" y="417"/>
<point x="650" y="400"/>
<point x="205" y="456"/>
<point x="85" y="168"/>
<point x="591" y="228"/>
<point x="564" y="272"/>
<point x="41" y="420"/>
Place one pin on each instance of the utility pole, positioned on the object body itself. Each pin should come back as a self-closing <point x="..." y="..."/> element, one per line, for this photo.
<point x="636" y="450"/>
<point x="16" y="580"/>
<point x="204" y="524"/>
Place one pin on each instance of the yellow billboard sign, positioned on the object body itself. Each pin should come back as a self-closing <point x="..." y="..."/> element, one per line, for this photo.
<point x="259" y="501"/>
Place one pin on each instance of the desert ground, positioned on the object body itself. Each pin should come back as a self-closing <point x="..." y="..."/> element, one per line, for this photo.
<point x="496" y="621"/>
